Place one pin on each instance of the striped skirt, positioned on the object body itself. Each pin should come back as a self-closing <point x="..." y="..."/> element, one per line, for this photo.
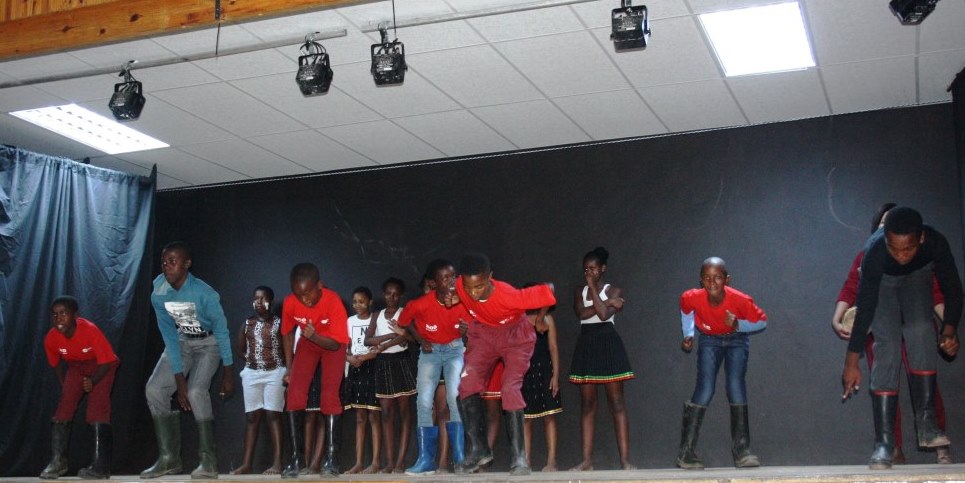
<point x="599" y="356"/>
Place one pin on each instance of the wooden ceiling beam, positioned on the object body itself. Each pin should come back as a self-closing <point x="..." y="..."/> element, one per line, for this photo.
<point x="119" y="21"/>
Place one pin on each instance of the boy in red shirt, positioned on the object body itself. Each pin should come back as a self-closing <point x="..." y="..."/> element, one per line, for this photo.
<point x="90" y="366"/>
<point x="321" y="315"/>
<point x="500" y="331"/>
<point x="724" y="318"/>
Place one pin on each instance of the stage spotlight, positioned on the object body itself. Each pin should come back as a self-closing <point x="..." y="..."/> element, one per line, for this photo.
<point x="388" y="61"/>
<point x="912" y="12"/>
<point x="314" y="74"/>
<point x="630" y="27"/>
<point x="128" y="98"/>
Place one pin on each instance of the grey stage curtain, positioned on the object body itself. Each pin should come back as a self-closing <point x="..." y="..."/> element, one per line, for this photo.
<point x="65" y="228"/>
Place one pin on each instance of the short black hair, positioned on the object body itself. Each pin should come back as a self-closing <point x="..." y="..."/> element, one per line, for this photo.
<point x="599" y="254"/>
<point x="393" y="281"/>
<point x="66" y="301"/>
<point x="714" y="262"/>
<point x="903" y="221"/>
<point x="475" y="264"/>
<point x="882" y="210"/>
<point x="268" y="291"/>
<point x="305" y="271"/>
<point x="434" y="266"/>
<point x="364" y="291"/>
<point x="179" y="246"/>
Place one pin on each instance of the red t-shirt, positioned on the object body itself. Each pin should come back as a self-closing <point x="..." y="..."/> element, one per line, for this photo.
<point x="507" y="303"/>
<point x="434" y="322"/>
<point x="849" y="291"/>
<point x="710" y="320"/>
<point x="327" y="315"/>
<point x="87" y="344"/>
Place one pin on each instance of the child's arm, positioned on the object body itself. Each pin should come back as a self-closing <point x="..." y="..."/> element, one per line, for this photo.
<point x="554" y="353"/>
<point x="749" y="318"/>
<point x="839" y="309"/>
<point x="288" y="346"/>
<point x="376" y="340"/>
<point x="424" y="345"/>
<point x="242" y="342"/>
<point x="322" y="341"/>
<point x="687" y="327"/>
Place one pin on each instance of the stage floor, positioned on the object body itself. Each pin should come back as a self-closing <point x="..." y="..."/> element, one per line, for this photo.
<point x="776" y="474"/>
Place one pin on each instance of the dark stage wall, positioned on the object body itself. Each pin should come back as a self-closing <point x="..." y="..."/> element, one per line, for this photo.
<point x="786" y="205"/>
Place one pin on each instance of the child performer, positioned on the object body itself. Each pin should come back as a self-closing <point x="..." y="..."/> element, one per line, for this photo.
<point x="599" y="357"/>
<point x="724" y="318"/>
<point x="436" y="329"/>
<point x="90" y="367"/>
<point x="321" y="316"/>
<point x="541" y="387"/>
<point x="394" y="376"/>
<point x="500" y="332"/>
<point x="259" y="341"/>
<point x="358" y="387"/>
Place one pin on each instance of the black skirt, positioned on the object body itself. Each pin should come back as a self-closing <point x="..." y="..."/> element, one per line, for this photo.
<point x="536" y="384"/>
<point x="358" y="387"/>
<point x="599" y="357"/>
<point x="394" y="375"/>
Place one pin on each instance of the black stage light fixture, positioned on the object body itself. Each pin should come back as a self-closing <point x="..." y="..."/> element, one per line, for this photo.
<point x="314" y="74"/>
<point x="630" y="27"/>
<point x="388" y="61"/>
<point x="128" y="98"/>
<point x="912" y="12"/>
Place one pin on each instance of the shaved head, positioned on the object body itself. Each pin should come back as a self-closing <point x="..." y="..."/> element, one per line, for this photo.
<point x="714" y="262"/>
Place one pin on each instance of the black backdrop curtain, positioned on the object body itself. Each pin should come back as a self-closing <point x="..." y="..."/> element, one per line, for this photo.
<point x="66" y="228"/>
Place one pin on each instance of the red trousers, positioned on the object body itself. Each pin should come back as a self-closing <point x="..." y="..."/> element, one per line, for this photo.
<point x="513" y="345"/>
<point x="307" y="358"/>
<point x="98" y="401"/>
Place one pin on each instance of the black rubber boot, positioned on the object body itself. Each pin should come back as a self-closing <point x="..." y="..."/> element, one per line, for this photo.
<point x="926" y="420"/>
<point x="690" y="429"/>
<point x="59" y="438"/>
<point x="514" y="426"/>
<point x="207" y="455"/>
<point x="473" y="415"/>
<point x="296" y="433"/>
<point x="883" y="409"/>
<point x="330" y="463"/>
<point x="100" y="468"/>
<point x="740" y="434"/>
<point x="167" y="429"/>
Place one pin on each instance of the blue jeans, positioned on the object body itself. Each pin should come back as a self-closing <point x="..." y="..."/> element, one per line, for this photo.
<point x="732" y="350"/>
<point x="445" y="359"/>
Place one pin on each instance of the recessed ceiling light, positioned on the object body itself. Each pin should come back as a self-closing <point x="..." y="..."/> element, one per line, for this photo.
<point x="89" y="128"/>
<point x="759" y="40"/>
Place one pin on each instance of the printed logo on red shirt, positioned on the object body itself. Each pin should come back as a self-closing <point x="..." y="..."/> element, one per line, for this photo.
<point x="63" y="351"/>
<point x="432" y="328"/>
<point x="302" y="320"/>
<point x="86" y="349"/>
<point x="324" y="322"/>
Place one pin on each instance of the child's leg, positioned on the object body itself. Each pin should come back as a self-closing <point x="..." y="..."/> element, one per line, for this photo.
<point x="618" y="409"/>
<point x="549" y="423"/>
<point x="253" y="419"/>
<point x="440" y="411"/>
<point x="587" y="415"/>
<point x="314" y="439"/>
<point x="375" y="423"/>
<point x="405" y="416"/>
<point x="388" y="432"/>
<point x="360" y="418"/>
<point x="494" y="413"/>
<point x="710" y="354"/>
<point x="528" y="439"/>
<point x="274" y="429"/>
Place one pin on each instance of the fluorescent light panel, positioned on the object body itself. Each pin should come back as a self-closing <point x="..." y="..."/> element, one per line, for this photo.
<point x="759" y="40"/>
<point x="89" y="128"/>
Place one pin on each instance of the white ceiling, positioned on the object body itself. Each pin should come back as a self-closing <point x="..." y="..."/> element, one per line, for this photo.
<point x="514" y="81"/>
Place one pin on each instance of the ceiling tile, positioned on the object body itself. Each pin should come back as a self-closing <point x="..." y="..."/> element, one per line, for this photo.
<point x="118" y="164"/>
<point x="251" y="64"/>
<point x="600" y="13"/>
<point x="27" y="97"/>
<point x="20" y="133"/>
<point x="167" y="123"/>
<point x="296" y="27"/>
<point x="707" y="6"/>
<point x="564" y="64"/>
<point x="526" y="24"/>
<point x="455" y="133"/>
<point x="116" y="55"/>
<point x="165" y="182"/>
<point x="837" y="36"/>
<point x="414" y="97"/>
<point x="82" y="88"/>
<point x="677" y="53"/>
<point x="231" y="109"/>
<point x="780" y="96"/>
<point x="312" y="150"/>
<point x="936" y="72"/>
<point x="208" y="41"/>
<point x="875" y="84"/>
<point x="331" y="109"/>
<point x="43" y="66"/>
<point x="435" y="36"/>
<point x="532" y="124"/>
<point x="382" y="141"/>
<point x="381" y="12"/>
<point x="183" y="166"/>
<point x="694" y="105"/>
<point x="241" y="156"/>
<point x="475" y="76"/>
<point x="173" y="76"/>
<point x="355" y="47"/>
<point x="943" y="29"/>
<point x="611" y="115"/>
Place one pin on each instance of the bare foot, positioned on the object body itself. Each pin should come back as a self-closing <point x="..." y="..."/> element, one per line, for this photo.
<point x="241" y="470"/>
<point x="274" y="470"/>
<point x="943" y="455"/>
<point x="387" y="470"/>
<point x="585" y="465"/>
<point x="628" y="466"/>
<point x="442" y="470"/>
<point x="398" y="470"/>
<point x="355" y="469"/>
<point x="550" y="467"/>
<point x="371" y="470"/>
